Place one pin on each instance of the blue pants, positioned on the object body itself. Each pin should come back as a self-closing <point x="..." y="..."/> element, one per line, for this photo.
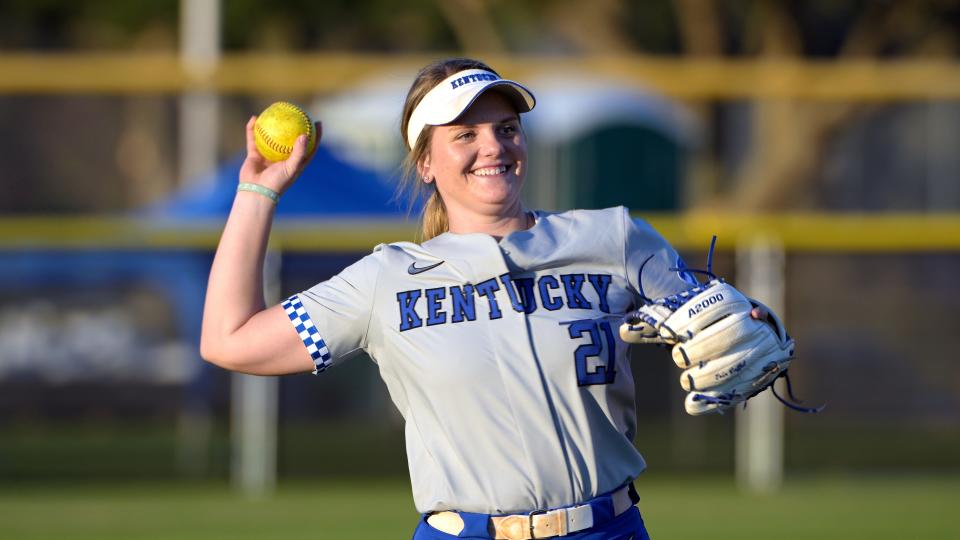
<point x="626" y="526"/>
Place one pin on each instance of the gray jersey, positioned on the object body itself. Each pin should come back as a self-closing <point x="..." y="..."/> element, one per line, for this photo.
<point x="504" y="358"/>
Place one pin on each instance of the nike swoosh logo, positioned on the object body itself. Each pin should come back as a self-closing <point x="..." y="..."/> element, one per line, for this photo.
<point x="413" y="270"/>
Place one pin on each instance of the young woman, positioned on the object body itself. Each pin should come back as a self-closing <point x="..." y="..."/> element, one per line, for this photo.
<point x="496" y="335"/>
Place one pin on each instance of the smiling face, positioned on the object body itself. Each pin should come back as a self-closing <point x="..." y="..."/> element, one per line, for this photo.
<point x="479" y="161"/>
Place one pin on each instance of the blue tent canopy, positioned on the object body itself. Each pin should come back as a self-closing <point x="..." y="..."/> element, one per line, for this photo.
<point x="327" y="187"/>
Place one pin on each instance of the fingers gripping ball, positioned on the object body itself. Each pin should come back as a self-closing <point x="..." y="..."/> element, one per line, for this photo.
<point x="727" y="355"/>
<point x="277" y="128"/>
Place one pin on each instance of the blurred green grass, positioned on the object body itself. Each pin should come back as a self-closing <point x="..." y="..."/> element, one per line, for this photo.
<point x="124" y="451"/>
<point x="674" y="507"/>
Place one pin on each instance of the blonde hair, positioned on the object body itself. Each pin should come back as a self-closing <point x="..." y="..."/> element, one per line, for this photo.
<point x="433" y="219"/>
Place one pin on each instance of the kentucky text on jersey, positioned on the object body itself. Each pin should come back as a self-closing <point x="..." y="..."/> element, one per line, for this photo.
<point x="473" y="78"/>
<point x="458" y="303"/>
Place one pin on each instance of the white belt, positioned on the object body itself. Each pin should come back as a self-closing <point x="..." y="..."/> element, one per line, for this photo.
<point x="540" y="524"/>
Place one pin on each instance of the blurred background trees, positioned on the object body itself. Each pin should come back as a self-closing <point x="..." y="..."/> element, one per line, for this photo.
<point x="741" y="165"/>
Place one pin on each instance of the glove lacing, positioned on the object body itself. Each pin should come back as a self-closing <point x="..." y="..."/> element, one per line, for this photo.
<point x="673" y="302"/>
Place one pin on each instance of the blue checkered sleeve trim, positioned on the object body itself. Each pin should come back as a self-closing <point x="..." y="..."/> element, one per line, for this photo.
<point x="308" y="333"/>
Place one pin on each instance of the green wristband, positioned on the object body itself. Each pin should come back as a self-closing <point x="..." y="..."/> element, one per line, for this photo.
<point x="257" y="188"/>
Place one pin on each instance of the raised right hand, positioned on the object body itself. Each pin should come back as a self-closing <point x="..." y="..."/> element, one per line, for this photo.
<point x="278" y="176"/>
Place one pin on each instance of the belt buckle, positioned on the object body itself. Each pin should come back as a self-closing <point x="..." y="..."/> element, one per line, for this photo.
<point x="530" y="518"/>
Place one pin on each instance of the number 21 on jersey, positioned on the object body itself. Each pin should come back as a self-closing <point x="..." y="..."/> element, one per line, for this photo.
<point x="595" y="358"/>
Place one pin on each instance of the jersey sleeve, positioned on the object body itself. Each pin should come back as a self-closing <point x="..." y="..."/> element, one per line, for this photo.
<point x="333" y="316"/>
<point x="650" y="262"/>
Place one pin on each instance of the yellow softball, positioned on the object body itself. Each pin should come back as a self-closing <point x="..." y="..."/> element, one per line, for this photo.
<point x="278" y="127"/>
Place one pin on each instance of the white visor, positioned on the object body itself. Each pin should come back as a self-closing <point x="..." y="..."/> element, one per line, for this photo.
<point x="454" y="95"/>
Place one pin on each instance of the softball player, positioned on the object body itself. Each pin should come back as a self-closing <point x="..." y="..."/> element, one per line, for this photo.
<point x="496" y="335"/>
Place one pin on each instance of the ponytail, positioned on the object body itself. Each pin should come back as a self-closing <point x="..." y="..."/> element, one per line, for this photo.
<point x="434" y="220"/>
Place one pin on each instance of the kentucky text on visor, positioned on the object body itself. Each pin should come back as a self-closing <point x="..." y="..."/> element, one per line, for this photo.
<point x="449" y="99"/>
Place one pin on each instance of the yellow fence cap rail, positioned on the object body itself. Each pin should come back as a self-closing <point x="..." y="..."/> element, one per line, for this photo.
<point x="866" y="233"/>
<point x="816" y="232"/>
<point x="314" y="73"/>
